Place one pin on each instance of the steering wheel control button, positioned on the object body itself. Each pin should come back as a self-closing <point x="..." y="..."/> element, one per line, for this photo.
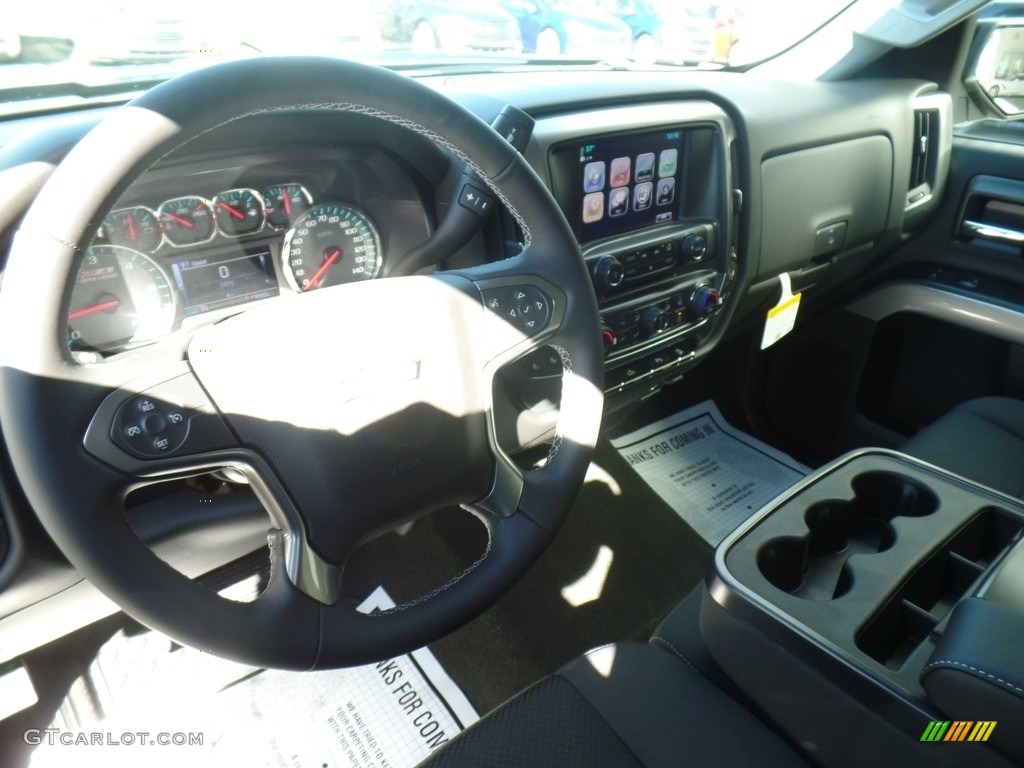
<point x="154" y="424"/>
<point x="524" y="307"/>
<point x="165" y="434"/>
<point x="170" y="419"/>
<point x="475" y="199"/>
<point x="544" y="363"/>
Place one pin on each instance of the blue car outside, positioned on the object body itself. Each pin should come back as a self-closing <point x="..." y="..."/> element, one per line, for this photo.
<point x="570" y="27"/>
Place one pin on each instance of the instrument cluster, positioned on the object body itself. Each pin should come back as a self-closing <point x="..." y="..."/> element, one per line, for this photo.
<point x="151" y="266"/>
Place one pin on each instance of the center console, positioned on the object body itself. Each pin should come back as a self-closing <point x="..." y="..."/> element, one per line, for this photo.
<point x="828" y="605"/>
<point x="650" y="191"/>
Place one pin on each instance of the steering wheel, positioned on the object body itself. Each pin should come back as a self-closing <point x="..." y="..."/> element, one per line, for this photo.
<point x="341" y="437"/>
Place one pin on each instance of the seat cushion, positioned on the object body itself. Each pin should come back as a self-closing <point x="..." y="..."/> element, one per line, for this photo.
<point x="982" y="439"/>
<point x="623" y="705"/>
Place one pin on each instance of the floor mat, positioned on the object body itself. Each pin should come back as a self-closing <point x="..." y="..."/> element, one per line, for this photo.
<point x="146" y="701"/>
<point x="713" y="475"/>
<point x="620" y="563"/>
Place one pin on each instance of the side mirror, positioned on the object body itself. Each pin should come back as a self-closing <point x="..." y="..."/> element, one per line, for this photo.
<point x="995" y="73"/>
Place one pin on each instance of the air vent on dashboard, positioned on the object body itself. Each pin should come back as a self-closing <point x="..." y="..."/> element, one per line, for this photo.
<point x="922" y="165"/>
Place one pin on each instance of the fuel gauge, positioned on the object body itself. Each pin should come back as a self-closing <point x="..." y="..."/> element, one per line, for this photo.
<point x="238" y="211"/>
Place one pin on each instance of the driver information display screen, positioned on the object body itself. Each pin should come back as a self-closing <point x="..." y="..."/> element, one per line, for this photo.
<point x="212" y="282"/>
<point x="630" y="182"/>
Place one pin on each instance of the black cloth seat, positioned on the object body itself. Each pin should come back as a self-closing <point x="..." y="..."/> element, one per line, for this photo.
<point x="981" y="439"/>
<point x="623" y="705"/>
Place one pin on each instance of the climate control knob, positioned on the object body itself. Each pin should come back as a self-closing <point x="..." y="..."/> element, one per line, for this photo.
<point x="655" y="320"/>
<point x="609" y="272"/>
<point x="609" y="338"/>
<point x="704" y="301"/>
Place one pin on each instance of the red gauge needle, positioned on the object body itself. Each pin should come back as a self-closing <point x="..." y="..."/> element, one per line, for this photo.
<point x="233" y="211"/>
<point x="112" y="304"/>
<point x="287" y="204"/>
<point x="315" y="279"/>
<point x="179" y="220"/>
<point x="130" y="221"/>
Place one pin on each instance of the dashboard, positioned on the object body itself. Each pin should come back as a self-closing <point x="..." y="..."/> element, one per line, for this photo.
<point x="666" y="197"/>
<point x="688" y="196"/>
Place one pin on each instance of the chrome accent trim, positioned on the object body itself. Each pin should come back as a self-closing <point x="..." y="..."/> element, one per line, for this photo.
<point x="983" y="231"/>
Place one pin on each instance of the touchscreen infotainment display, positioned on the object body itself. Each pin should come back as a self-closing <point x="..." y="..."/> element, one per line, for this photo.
<point x="630" y="182"/>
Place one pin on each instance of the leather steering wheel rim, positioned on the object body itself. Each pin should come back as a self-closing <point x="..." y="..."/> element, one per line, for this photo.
<point x="48" y="402"/>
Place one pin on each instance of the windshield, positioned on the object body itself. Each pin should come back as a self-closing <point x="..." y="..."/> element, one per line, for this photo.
<point x="95" y="48"/>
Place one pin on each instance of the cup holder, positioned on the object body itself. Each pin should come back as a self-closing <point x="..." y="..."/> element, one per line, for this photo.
<point x="888" y="495"/>
<point x="814" y="566"/>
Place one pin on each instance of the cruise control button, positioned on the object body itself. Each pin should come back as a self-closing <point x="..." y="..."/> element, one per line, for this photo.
<point x="132" y="431"/>
<point x="162" y="444"/>
<point x="145" y="405"/>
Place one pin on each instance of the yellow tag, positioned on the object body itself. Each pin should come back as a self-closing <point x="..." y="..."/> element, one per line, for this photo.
<point x="782" y="317"/>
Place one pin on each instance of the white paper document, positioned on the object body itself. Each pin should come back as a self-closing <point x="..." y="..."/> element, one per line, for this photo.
<point x="386" y="715"/>
<point x="713" y="475"/>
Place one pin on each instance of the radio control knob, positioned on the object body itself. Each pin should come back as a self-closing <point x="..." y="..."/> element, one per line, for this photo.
<point x="695" y="247"/>
<point x="655" y="320"/>
<point x="609" y="272"/>
<point x="704" y="301"/>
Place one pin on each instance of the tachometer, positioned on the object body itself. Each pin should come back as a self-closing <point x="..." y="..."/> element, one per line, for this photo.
<point x="330" y="245"/>
<point x="120" y="297"/>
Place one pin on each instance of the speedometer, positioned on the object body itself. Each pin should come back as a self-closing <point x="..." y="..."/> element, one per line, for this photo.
<point x="331" y="244"/>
